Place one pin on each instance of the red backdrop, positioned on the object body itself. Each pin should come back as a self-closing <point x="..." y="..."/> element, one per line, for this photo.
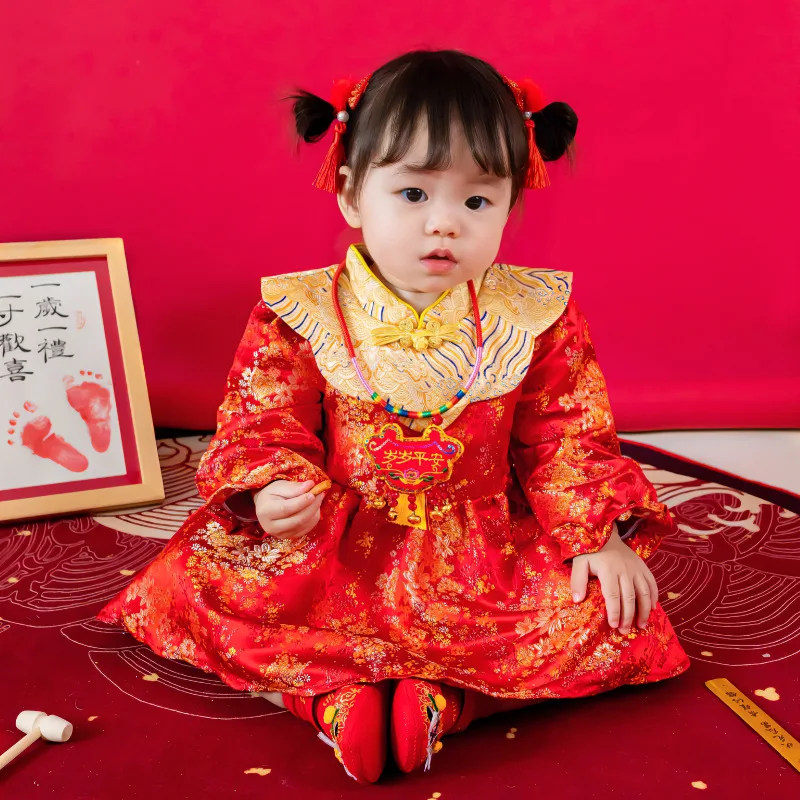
<point x="159" y="121"/>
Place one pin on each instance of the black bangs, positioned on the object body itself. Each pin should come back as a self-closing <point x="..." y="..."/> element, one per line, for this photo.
<point x="441" y="88"/>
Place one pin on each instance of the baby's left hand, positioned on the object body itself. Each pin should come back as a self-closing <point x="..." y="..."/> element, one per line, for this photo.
<point x="625" y="582"/>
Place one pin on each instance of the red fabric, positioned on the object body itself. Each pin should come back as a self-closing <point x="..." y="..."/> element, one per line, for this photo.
<point x="279" y="441"/>
<point x="160" y="121"/>
<point x="565" y="447"/>
<point x="482" y="601"/>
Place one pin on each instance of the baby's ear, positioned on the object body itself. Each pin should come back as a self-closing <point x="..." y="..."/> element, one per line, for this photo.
<point x="346" y="198"/>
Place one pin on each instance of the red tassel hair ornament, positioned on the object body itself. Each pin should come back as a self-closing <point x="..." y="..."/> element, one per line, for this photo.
<point x="530" y="99"/>
<point x="345" y="95"/>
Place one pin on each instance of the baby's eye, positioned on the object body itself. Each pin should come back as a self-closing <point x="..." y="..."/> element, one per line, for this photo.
<point x="474" y="203"/>
<point x="413" y="195"/>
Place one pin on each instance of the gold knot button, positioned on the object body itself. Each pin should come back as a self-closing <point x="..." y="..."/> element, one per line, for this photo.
<point x="406" y="334"/>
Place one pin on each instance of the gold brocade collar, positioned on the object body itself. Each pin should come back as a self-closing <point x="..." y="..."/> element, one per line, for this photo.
<point x="371" y="292"/>
<point x="419" y="361"/>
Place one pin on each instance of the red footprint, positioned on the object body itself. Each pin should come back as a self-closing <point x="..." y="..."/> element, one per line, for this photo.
<point x="36" y="436"/>
<point x="93" y="402"/>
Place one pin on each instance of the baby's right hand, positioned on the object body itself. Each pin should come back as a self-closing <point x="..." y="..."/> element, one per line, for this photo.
<point x="286" y="509"/>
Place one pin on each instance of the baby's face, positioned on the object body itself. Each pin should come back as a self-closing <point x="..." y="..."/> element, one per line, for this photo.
<point x="406" y="214"/>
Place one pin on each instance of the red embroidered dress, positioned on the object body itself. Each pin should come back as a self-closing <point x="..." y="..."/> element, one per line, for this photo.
<point x="475" y="594"/>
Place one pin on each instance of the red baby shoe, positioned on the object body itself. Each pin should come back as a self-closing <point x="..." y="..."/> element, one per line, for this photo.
<point x="353" y="720"/>
<point x="422" y="712"/>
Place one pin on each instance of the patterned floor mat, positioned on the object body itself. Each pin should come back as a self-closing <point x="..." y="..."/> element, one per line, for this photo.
<point x="147" y="727"/>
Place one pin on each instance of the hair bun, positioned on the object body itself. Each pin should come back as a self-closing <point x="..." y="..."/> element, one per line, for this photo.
<point x="313" y="116"/>
<point x="556" y="125"/>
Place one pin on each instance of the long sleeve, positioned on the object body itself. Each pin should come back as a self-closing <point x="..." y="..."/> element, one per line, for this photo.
<point x="566" y="452"/>
<point x="270" y="421"/>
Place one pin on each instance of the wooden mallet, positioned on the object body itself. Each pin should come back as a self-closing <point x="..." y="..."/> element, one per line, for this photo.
<point x="37" y="724"/>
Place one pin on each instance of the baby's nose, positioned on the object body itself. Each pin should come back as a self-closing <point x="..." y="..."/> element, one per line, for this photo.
<point x="442" y="223"/>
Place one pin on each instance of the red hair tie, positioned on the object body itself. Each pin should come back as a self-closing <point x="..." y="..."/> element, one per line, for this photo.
<point x="530" y="99"/>
<point x="345" y="94"/>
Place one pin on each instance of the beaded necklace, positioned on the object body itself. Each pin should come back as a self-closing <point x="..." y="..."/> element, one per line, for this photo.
<point x="385" y="404"/>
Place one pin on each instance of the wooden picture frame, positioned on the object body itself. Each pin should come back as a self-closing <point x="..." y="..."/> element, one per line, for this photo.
<point x="78" y="432"/>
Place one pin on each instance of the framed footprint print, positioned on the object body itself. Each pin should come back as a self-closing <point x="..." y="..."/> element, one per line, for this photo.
<point x="78" y="434"/>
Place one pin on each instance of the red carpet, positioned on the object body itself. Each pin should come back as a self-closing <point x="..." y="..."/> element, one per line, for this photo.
<point x="150" y="728"/>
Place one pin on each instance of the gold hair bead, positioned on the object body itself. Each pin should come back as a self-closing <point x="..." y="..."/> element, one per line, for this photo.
<point x="392" y="515"/>
<point x="447" y="508"/>
<point x="414" y="519"/>
<point x="437" y="515"/>
<point x="379" y="503"/>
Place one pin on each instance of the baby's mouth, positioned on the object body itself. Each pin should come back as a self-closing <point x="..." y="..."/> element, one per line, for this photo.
<point x="440" y="254"/>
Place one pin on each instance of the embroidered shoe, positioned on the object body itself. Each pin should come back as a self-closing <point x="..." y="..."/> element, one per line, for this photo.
<point x="353" y="721"/>
<point x="422" y="712"/>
